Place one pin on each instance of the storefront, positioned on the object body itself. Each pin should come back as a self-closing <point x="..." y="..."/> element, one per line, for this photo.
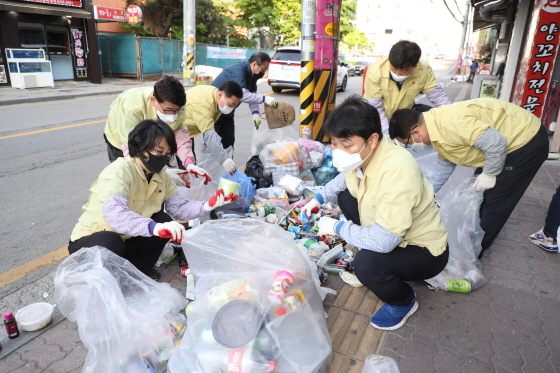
<point x="64" y="29"/>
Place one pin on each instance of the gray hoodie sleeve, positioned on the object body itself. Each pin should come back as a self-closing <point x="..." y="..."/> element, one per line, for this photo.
<point x="213" y="142"/>
<point x="495" y="147"/>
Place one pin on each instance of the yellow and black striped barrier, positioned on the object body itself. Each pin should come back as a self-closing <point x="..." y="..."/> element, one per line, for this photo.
<point x="189" y="63"/>
<point x="306" y="95"/>
<point x="325" y="90"/>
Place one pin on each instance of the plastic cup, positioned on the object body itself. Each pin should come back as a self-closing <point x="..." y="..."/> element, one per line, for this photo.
<point x="228" y="186"/>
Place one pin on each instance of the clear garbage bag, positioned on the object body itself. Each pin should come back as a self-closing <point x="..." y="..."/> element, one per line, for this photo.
<point x="198" y="191"/>
<point x="127" y="321"/>
<point x="459" y="211"/>
<point x="264" y="136"/>
<point x="380" y="364"/>
<point x="257" y="307"/>
<point x="284" y="152"/>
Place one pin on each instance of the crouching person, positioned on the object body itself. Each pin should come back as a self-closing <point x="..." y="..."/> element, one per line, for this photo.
<point x="390" y="207"/>
<point x="124" y="212"/>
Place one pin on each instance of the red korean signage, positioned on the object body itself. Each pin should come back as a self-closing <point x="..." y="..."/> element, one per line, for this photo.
<point x="537" y="66"/>
<point x="133" y="14"/>
<point x="74" y="3"/>
<point x="109" y="14"/>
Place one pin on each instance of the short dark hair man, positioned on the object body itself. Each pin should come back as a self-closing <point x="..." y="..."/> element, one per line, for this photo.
<point x="392" y="83"/>
<point x="506" y="142"/>
<point x="205" y="105"/>
<point x="246" y="74"/>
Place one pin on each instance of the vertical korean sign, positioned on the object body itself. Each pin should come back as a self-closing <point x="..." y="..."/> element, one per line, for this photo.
<point x="77" y="40"/>
<point x="531" y="90"/>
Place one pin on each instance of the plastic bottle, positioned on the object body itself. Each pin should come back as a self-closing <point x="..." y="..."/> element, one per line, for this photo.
<point x="291" y="302"/>
<point x="280" y="285"/>
<point x="11" y="325"/>
<point x="245" y="360"/>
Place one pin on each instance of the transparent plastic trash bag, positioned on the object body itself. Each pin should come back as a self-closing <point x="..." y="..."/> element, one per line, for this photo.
<point x="380" y="364"/>
<point x="459" y="211"/>
<point x="127" y="321"/>
<point x="257" y="307"/>
<point x="198" y="190"/>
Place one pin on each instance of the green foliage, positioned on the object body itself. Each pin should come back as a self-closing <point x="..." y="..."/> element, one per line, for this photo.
<point x="159" y="15"/>
<point x="347" y="17"/>
<point x="356" y="39"/>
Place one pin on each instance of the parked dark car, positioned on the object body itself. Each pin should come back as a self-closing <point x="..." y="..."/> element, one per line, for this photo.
<point x="350" y="68"/>
<point x="360" y="65"/>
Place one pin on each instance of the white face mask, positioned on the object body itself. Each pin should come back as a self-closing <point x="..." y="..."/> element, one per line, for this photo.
<point x="167" y="118"/>
<point x="346" y="162"/>
<point x="399" y="78"/>
<point x="417" y="145"/>
<point x="225" y="109"/>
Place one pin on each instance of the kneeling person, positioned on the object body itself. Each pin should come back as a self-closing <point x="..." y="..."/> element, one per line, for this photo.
<point x="390" y="206"/>
<point x="124" y="213"/>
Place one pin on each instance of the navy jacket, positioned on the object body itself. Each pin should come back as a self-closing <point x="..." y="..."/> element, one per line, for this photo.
<point x="240" y="73"/>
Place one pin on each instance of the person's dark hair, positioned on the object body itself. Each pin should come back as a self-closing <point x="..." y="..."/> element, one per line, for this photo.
<point x="231" y="88"/>
<point x="404" y="54"/>
<point x="260" y="57"/>
<point x="171" y="90"/>
<point x="354" y="117"/>
<point x="147" y="134"/>
<point x="403" y="121"/>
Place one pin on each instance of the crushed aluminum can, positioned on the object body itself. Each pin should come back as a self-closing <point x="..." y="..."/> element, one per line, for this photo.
<point x="184" y="271"/>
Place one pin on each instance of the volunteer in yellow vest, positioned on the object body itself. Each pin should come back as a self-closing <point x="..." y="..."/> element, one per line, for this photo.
<point x="506" y="142"/>
<point x="393" y="83"/>
<point x="390" y="209"/>
<point x="205" y="104"/>
<point x="166" y="101"/>
<point x="124" y="212"/>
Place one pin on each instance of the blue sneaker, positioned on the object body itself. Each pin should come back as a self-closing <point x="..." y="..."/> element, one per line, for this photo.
<point x="546" y="243"/>
<point x="391" y="317"/>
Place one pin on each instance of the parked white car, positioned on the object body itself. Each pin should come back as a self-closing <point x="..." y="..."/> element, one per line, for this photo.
<point x="285" y="68"/>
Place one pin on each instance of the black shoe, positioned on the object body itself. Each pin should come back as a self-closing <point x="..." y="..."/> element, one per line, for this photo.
<point x="154" y="274"/>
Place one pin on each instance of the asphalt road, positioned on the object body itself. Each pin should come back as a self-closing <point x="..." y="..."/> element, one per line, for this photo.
<point x="45" y="177"/>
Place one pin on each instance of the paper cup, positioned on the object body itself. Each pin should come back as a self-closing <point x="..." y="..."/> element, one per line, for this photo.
<point x="228" y="186"/>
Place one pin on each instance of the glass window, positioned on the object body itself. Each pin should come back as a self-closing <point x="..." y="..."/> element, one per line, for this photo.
<point x="287" y="56"/>
<point x="27" y="54"/>
<point x="57" y="40"/>
<point x="32" y="35"/>
<point x="34" y="67"/>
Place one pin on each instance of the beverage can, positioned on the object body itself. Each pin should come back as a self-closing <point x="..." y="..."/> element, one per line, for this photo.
<point x="458" y="286"/>
<point x="184" y="271"/>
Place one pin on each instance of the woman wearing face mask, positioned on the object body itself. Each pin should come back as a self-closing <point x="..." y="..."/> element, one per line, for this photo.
<point x="124" y="212"/>
<point x="166" y="101"/>
<point x="205" y="105"/>
<point x="507" y="143"/>
<point x="390" y="206"/>
<point x="392" y="83"/>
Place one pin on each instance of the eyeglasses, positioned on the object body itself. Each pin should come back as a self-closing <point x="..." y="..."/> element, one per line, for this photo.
<point x="408" y="144"/>
<point x="170" y="111"/>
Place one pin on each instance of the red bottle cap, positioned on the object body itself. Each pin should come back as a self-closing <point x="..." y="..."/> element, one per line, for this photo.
<point x="281" y="311"/>
<point x="8" y="315"/>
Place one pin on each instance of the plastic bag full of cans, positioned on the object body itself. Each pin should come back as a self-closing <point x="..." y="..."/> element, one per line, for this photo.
<point x="257" y="308"/>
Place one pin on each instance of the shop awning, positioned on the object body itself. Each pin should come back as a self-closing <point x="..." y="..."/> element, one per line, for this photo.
<point x="44" y="9"/>
<point x="498" y="7"/>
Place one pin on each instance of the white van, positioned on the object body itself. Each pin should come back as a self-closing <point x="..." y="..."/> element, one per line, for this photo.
<point x="284" y="71"/>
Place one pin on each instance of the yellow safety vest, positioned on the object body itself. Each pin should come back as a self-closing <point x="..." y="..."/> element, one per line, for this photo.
<point x="395" y="194"/>
<point x="455" y="128"/>
<point x="123" y="177"/>
<point x="380" y="85"/>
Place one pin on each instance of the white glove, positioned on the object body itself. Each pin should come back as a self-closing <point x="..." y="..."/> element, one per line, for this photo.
<point x="326" y="226"/>
<point x="229" y="165"/>
<point x="270" y="101"/>
<point x="216" y="200"/>
<point x="484" y="182"/>
<point x="193" y="169"/>
<point x="171" y="229"/>
<point x="257" y="120"/>
<point x="180" y="180"/>
<point x="310" y="206"/>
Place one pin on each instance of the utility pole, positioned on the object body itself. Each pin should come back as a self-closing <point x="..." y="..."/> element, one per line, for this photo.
<point x="462" y="48"/>
<point x="189" y="37"/>
<point x="327" y="36"/>
<point x="307" y="82"/>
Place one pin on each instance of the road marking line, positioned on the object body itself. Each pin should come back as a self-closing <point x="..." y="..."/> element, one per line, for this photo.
<point x="33" y="266"/>
<point x="52" y="129"/>
<point x="55" y="101"/>
<point x="69" y="89"/>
